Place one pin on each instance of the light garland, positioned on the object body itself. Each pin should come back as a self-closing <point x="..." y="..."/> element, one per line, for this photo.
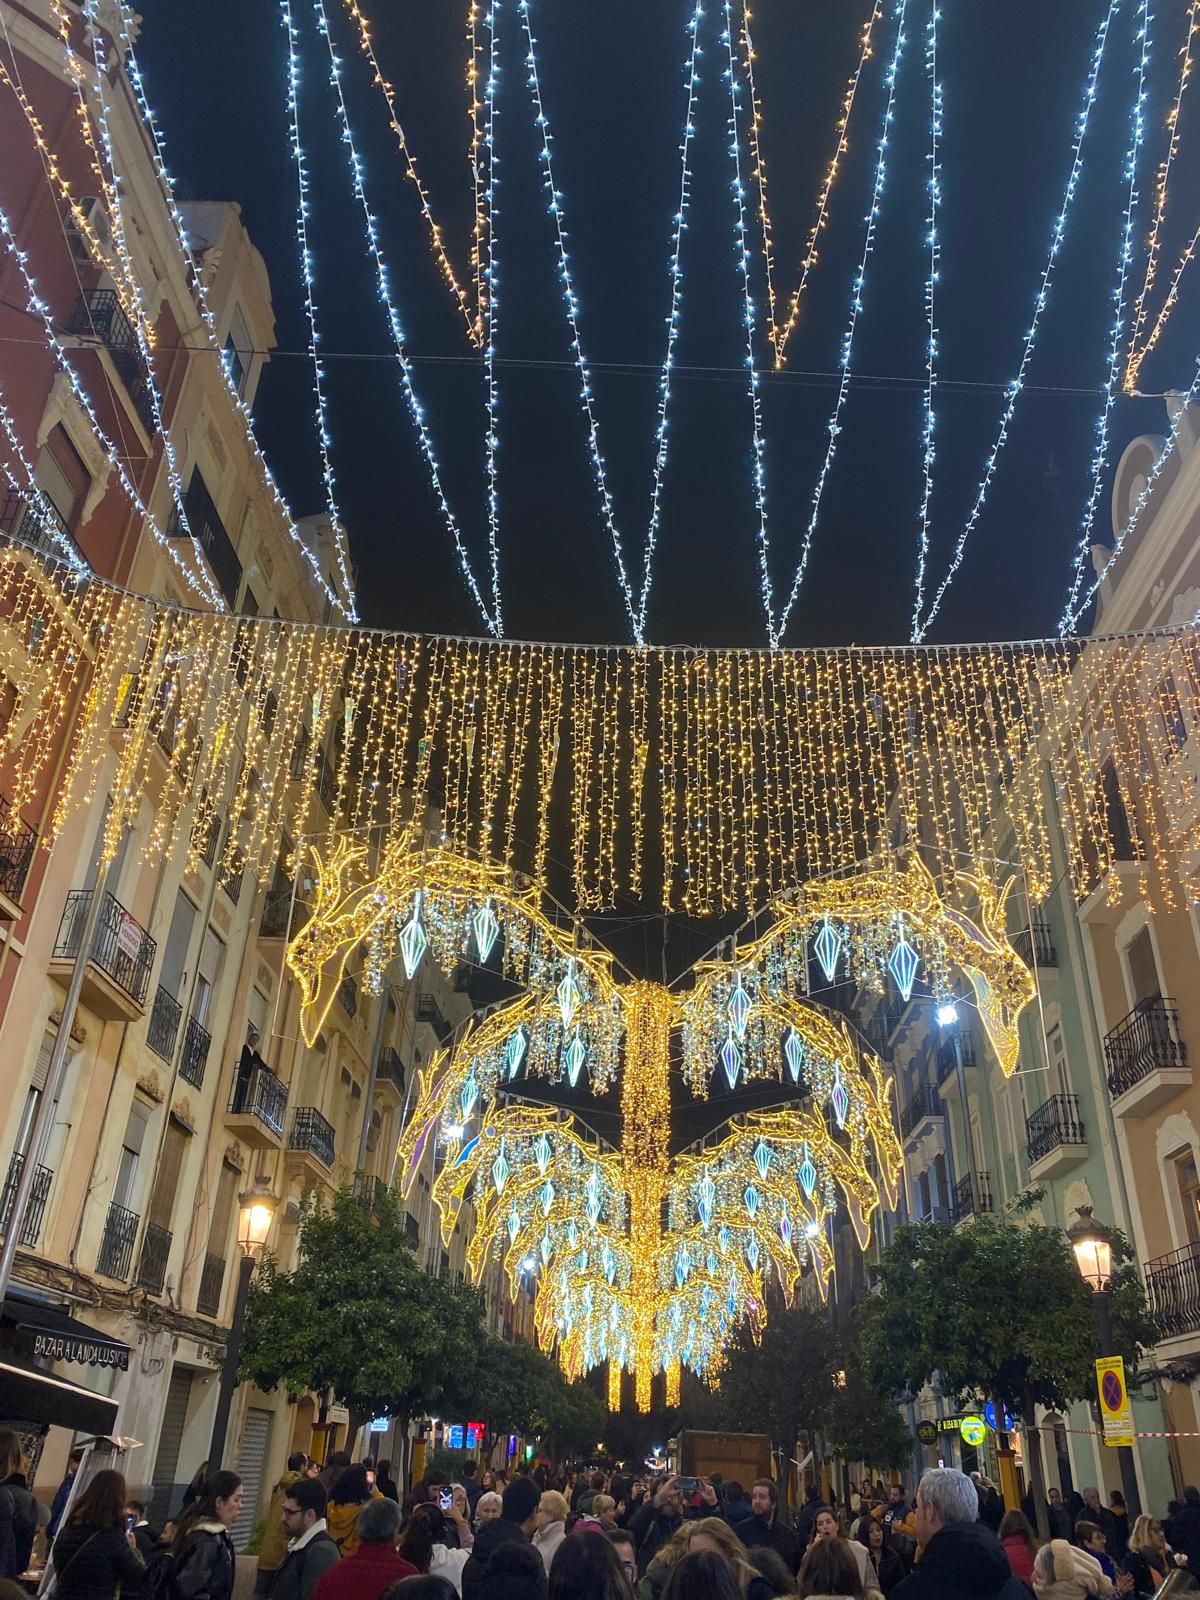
<point x="1138" y="351"/>
<point x="856" y="305"/>
<point x="490" y="300"/>
<point x="1070" y="616"/>
<point x="48" y="521"/>
<point x="929" y="425"/>
<point x="492" y="622"/>
<point x="921" y="627"/>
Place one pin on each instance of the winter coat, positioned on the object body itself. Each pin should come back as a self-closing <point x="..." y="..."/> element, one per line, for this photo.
<point x="18" y="1524"/>
<point x="806" y="1521"/>
<point x="654" y="1581"/>
<point x="365" y="1575"/>
<point x="1058" y="1519"/>
<point x="390" y="1491"/>
<point x="547" y="1540"/>
<point x="343" y="1522"/>
<point x="514" y="1572"/>
<point x="737" y="1511"/>
<point x="59" y="1504"/>
<point x="1118" y="1536"/>
<point x="755" y="1530"/>
<point x="1148" y="1570"/>
<point x="273" y="1546"/>
<point x="888" y="1571"/>
<point x="90" y="1563"/>
<point x="204" y="1569"/>
<point x="1077" y="1576"/>
<point x="962" y="1559"/>
<point x="487" y="1541"/>
<point x="448" y="1564"/>
<point x="303" y="1567"/>
<point x="1020" y="1557"/>
<point x="1185" y="1533"/>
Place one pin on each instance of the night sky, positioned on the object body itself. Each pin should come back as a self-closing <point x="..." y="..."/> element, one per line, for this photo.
<point x="614" y="89"/>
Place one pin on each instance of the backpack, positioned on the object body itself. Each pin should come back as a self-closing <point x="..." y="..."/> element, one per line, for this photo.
<point x="159" y="1582"/>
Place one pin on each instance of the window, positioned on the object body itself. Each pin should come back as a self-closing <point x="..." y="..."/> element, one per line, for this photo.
<point x="218" y="1233"/>
<point x="125" y="1188"/>
<point x="1143" y="969"/>
<point x="60" y="474"/>
<point x="1056" y="1049"/>
<point x="212" y="962"/>
<point x="170" y="1171"/>
<point x="1188" y="1179"/>
<point x="238" y="351"/>
<point x="179" y="939"/>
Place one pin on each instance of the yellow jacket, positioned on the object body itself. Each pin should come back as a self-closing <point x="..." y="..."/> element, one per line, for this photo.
<point x="275" y="1539"/>
<point x="342" y="1521"/>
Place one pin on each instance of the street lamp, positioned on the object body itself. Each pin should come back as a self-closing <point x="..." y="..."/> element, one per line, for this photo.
<point x="256" y="1212"/>
<point x="1091" y="1242"/>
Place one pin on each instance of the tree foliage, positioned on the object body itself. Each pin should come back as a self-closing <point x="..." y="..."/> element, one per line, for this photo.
<point x="783" y="1383"/>
<point x="862" y="1423"/>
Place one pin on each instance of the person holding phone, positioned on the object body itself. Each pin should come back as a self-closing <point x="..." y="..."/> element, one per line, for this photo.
<point x="95" y="1552"/>
<point x="350" y="1493"/>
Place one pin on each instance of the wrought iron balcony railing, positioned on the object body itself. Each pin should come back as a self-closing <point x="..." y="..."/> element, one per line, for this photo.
<point x="17" y="844"/>
<point x="117" y="1242"/>
<point x="1034" y="945"/>
<point x="212" y="1283"/>
<point x="926" y="1102"/>
<point x="947" y="1059"/>
<point x="312" y="1133"/>
<point x="206" y="527"/>
<point x="121" y="947"/>
<point x="165" y="1017"/>
<point x="391" y="1067"/>
<point x="428" y="1010"/>
<point x="196" y="1042"/>
<point x="1141" y="1043"/>
<point x="1054" y="1123"/>
<point x="348" y="994"/>
<point x="264" y="1096"/>
<point x="35" y="1210"/>
<point x="152" y="1264"/>
<point x="1173" y="1291"/>
<point x="99" y="314"/>
<point x="35" y="520"/>
<point x="962" y="1204"/>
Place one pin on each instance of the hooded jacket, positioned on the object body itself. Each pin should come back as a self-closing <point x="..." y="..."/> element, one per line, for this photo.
<point x="273" y="1546"/>
<point x="962" y="1558"/>
<point x="1077" y="1575"/>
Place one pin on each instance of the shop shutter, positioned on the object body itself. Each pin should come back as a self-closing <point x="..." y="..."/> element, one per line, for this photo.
<point x="252" y="1458"/>
<point x="164" y="1498"/>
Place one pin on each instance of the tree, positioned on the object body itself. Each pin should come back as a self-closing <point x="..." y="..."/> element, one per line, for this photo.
<point x="997" y="1310"/>
<point x="358" y="1317"/>
<point x="862" y="1423"/>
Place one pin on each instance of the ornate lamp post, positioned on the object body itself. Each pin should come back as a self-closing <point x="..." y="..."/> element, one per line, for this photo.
<point x="256" y="1212"/>
<point x="1091" y="1242"/>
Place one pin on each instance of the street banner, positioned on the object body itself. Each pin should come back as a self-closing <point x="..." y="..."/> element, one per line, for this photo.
<point x="1115" y="1412"/>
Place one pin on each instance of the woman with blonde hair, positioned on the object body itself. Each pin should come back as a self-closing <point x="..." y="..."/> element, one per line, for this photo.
<point x="654" y="1580"/>
<point x="714" y="1533"/>
<point x="551" y="1528"/>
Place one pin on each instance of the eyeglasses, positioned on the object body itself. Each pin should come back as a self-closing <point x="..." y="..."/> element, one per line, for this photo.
<point x="292" y="1511"/>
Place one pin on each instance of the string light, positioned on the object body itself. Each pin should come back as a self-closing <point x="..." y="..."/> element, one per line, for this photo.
<point x="1138" y="352"/>
<point x="856" y="303"/>
<point x="490" y="278"/>
<point x="48" y="523"/>
<point x="492" y="621"/>
<point x="436" y="241"/>
<point x="1070" y="616"/>
<point x="1041" y="300"/>
<point x="342" y="603"/>
<point x="928" y="431"/>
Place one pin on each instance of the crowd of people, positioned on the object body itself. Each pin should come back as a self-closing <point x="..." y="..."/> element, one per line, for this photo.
<point x="342" y="1531"/>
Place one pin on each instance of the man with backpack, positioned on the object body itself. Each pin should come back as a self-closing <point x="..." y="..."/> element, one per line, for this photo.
<point x="311" y="1549"/>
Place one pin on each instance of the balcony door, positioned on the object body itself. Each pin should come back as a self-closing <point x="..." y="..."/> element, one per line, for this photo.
<point x="1143" y="969"/>
<point x="1188" y="1179"/>
<point x="212" y="962"/>
<point x="179" y="940"/>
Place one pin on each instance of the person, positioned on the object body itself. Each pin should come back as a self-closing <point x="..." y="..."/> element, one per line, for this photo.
<point x="1150" y="1557"/>
<point x="959" y="1555"/>
<point x="773" y="1570"/>
<point x="273" y="1545"/>
<point x="458" y="1516"/>
<point x="247" y="1062"/>
<point x="715" y="1534"/>
<point x="1020" y="1546"/>
<point x="196" y="1487"/>
<point x="766" y="1526"/>
<point x="425" y="1543"/>
<point x="991" y="1506"/>
<point x="375" y="1565"/>
<point x="626" y="1554"/>
<point x="887" y="1568"/>
<point x="586" y="1567"/>
<point x="350" y="1493"/>
<point x="604" y="1509"/>
<point x="1058" y="1516"/>
<point x="470" y="1482"/>
<point x="387" y="1485"/>
<point x="653" y="1523"/>
<point x="896" y="1509"/>
<point x="63" y="1492"/>
<point x="1118" y="1533"/>
<point x="515" y="1525"/>
<point x="145" y="1538"/>
<point x="95" y="1553"/>
<point x="733" y="1499"/>
<point x="597" y="1484"/>
<point x="828" y="1527"/>
<point x="552" y="1515"/>
<point x="1092" y="1510"/>
<point x="18" y="1509"/>
<point x="1185" y="1528"/>
<point x="309" y="1551"/>
<point x="654" y="1579"/>
<point x="424" y="1587"/>
<point x="1063" y="1571"/>
<point x="333" y="1469"/>
<point x="203" y="1562"/>
<point x="1091" y="1538"/>
<point x="829" y="1569"/>
<point x="487" y="1509"/>
<point x="701" y="1575"/>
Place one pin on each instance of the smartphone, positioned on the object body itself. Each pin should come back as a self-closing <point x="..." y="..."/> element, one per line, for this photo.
<point x="687" y="1486"/>
<point x="446" y="1499"/>
<point x="131" y="1521"/>
<point x="370" y="1478"/>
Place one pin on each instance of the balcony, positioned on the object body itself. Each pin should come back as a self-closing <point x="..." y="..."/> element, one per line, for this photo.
<point x="17" y="844"/>
<point x="117" y="973"/>
<point x="117" y="1242"/>
<point x="152" y="1266"/>
<point x="165" y="1017"/>
<point x="276" y="913"/>
<point x="1034" y="945"/>
<point x="1145" y="1058"/>
<point x="369" y="1189"/>
<point x="311" y="1143"/>
<point x="206" y="527"/>
<point x="327" y="783"/>
<point x="212" y="1285"/>
<point x="429" y="1011"/>
<point x="231" y="883"/>
<point x="1055" y="1137"/>
<point x="924" y="1107"/>
<point x="347" y="994"/>
<point x="962" y="1204"/>
<point x="391" y="1070"/>
<point x="196" y="1042"/>
<point x="34" y="520"/>
<point x="258" y="1110"/>
<point x="947" y="1059"/>
<point x="99" y="316"/>
<point x="1173" y="1292"/>
<point x="35" y="1209"/>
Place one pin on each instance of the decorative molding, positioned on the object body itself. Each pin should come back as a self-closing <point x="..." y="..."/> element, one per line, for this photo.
<point x="150" y="1086"/>
<point x="63" y="408"/>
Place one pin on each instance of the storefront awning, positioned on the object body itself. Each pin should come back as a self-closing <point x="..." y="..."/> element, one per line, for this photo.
<point x="39" y="1397"/>
<point x="51" y="1334"/>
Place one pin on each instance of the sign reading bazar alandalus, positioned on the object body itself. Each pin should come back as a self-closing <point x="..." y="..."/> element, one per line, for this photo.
<point x="86" y="1352"/>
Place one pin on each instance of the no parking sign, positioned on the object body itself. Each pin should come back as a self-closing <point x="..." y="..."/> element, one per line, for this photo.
<point x="1115" y="1412"/>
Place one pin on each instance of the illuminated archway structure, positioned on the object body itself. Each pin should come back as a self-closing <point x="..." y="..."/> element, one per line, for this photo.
<point x="646" y="1259"/>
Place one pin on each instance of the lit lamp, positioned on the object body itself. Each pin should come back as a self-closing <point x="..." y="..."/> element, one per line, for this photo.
<point x="1091" y="1242"/>
<point x="256" y="1213"/>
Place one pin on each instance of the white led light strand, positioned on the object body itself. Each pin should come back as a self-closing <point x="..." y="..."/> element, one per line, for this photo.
<point x="47" y="517"/>
<point x="758" y="167"/>
<point x="856" y="304"/>
<point x="200" y="583"/>
<point x="344" y="605"/>
<point x="299" y="162"/>
<point x="1112" y="381"/>
<point x="1041" y="301"/>
<point x="929" y="426"/>
<point x="741" y="252"/>
<point x="383" y="288"/>
<point x="1133" y="521"/>
<point x="490" y="276"/>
